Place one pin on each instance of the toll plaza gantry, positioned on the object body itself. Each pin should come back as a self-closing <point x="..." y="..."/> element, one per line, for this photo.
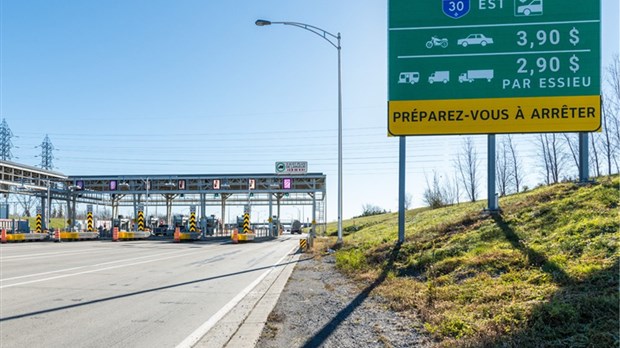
<point x="247" y="190"/>
<point x="140" y="191"/>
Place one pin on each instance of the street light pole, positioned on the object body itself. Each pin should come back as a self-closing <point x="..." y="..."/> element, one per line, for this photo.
<point x="48" y="218"/>
<point x="146" y="208"/>
<point x="329" y="37"/>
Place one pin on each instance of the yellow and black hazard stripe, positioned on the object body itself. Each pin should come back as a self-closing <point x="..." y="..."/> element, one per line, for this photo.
<point x="38" y="227"/>
<point x="246" y="223"/>
<point x="140" y="221"/>
<point x="192" y="222"/>
<point x="89" y="221"/>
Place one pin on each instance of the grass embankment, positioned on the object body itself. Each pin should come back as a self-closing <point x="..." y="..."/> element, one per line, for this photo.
<point x="542" y="273"/>
<point x="54" y="223"/>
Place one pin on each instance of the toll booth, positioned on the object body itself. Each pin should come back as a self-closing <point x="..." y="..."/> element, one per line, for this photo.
<point x="23" y="226"/>
<point x="211" y="225"/>
<point x="180" y="221"/>
<point x="275" y="226"/>
<point x="121" y="223"/>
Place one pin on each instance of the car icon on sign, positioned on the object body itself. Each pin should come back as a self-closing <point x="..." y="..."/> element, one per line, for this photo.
<point x="475" y="39"/>
<point x="534" y="7"/>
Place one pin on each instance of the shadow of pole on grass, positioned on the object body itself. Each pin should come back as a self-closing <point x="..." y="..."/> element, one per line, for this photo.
<point x="329" y="328"/>
<point x="534" y="258"/>
<point x="581" y="314"/>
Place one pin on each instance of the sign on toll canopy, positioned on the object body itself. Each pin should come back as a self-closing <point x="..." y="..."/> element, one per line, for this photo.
<point x="299" y="167"/>
<point x="493" y="66"/>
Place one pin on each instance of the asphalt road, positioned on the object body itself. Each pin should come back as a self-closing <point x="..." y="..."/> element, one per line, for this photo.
<point x="125" y="294"/>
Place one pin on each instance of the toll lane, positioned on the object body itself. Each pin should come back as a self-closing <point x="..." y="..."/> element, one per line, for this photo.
<point x="138" y="294"/>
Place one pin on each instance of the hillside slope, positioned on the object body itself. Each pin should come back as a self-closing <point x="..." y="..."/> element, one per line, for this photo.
<point x="544" y="272"/>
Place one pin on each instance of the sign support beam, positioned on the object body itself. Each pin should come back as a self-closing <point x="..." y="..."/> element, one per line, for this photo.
<point x="492" y="205"/>
<point x="584" y="165"/>
<point x="402" y="161"/>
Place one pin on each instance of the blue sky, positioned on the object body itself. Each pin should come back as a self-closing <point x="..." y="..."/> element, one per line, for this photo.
<point x="167" y="87"/>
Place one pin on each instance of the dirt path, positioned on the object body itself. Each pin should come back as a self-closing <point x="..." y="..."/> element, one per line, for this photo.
<point x="320" y="307"/>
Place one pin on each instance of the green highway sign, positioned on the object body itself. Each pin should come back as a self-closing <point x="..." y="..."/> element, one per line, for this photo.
<point x="493" y="66"/>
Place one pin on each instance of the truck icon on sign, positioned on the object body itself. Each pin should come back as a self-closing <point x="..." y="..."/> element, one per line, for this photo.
<point x="472" y="75"/>
<point x="439" y="76"/>
<point x="528" y="8"/>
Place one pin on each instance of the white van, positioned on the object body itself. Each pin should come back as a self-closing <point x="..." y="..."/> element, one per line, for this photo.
<point x="439" y="76"/>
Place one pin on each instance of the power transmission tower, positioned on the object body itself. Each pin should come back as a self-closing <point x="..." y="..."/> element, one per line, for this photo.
<point x="47" y="155"/>
<point x="5" y="141"/>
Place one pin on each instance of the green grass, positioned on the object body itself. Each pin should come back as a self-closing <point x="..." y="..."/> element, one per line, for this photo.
<point x="544" y="272"/>
<point x="54" y="223"/>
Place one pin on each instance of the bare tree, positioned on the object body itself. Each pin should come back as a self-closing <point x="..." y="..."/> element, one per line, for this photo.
<point x="450" y="190"/>
<point x="516" y="171"/>
<point x="61" y="213"/>
<point x="408" y="200"/>
<point x="456" y="187"/>
<point x="594" y="159"/>
<point x="610" y="139"/>
<point x="467" y="166"/>
<point x="432" y="195"/>
<point x="27" y="203"/>
<point x="552" y="157"/>
<point x="103" y="213"/>
<point x="573" y="146"/>
<point x="502" y="165"/>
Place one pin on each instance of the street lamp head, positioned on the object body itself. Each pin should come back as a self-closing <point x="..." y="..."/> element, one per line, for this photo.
<point x="262" y="22"/>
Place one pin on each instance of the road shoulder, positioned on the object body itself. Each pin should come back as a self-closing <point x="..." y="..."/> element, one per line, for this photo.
<point x="321" y="307"/>
<point x="241" y="327"/>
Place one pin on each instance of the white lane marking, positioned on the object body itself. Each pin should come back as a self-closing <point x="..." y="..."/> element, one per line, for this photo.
<point x="195" y="336"/>
<point x="22" y="257"/>
<point x="95" y="270"/>
<point x="94" y="265"/>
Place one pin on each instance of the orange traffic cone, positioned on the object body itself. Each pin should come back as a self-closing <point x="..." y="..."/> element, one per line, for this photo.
<point x="177" y="235"/>
<point x="4" y="240"/>
<point x="115" y="234"/>
<point x="57" y="235"/>
<point x="235" y="236"/>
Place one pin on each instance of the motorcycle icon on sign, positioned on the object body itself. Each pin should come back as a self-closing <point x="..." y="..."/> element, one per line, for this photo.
<point x="435" y="41"/>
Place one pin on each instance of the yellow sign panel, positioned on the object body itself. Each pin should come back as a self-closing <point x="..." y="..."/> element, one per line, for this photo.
<point x="497" y="115"/>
